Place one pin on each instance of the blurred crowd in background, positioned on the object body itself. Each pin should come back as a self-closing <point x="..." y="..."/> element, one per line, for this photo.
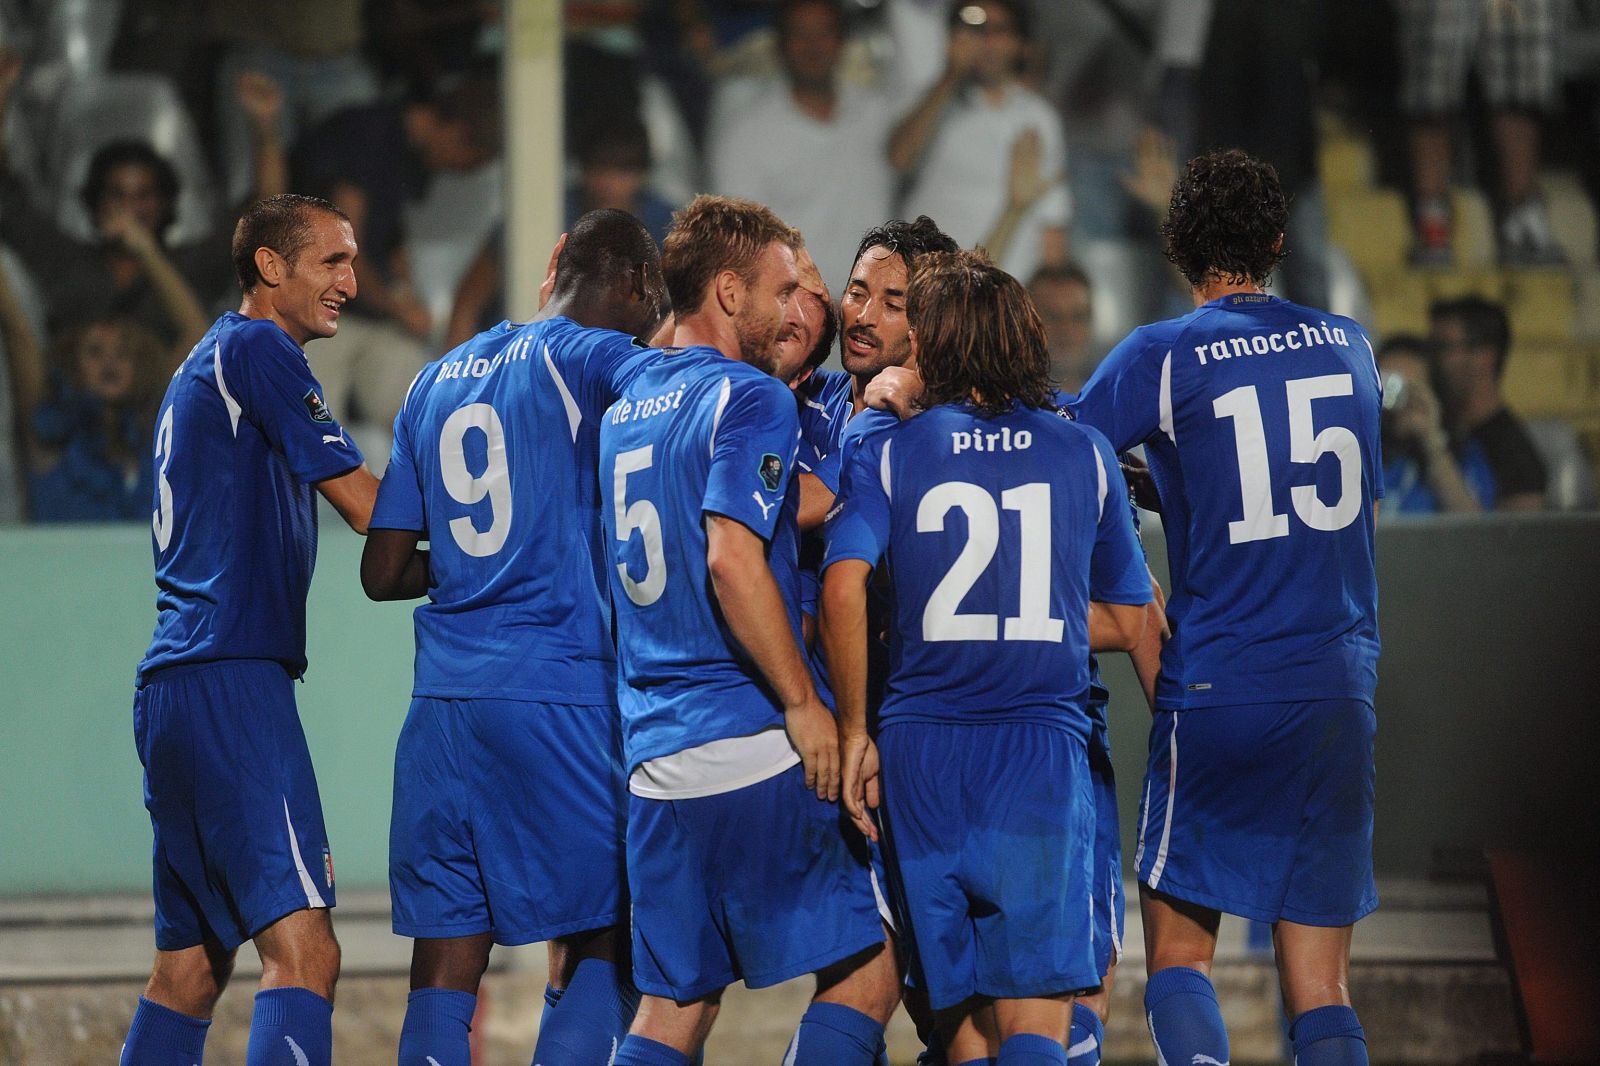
<point x="1047" y="131"/>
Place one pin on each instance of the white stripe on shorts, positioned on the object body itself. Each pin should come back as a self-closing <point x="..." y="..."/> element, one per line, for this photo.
<point x="313" y="897"/>
<point x="1172" y="789"/>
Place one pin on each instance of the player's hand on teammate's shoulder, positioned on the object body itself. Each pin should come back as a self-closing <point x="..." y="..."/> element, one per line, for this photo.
<point x="815" y="736"/>
<point x="858" y="759"/>
<point x="895" y="389"/>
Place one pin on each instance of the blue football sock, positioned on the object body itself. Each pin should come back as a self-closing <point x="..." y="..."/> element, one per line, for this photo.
<point x="831" y="1033"/>
<point x="437" y="1028"/>
<point x="290" y="1027"/>
<point x="1087" y="1034"/>
<point x="552" y="996"/>
<point x="1329" y="1036"/>
<point x="590" y="1019"/>
<point x="1185" y="1022"/>
<point x="1031" y="1049"/>
<point x="639" y="1051"/>
<point x="160" y="1036"/>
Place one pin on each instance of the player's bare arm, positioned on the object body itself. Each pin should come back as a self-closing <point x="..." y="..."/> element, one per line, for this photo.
<point x="736" y="561"/>
<point x="1115" y="626"/>
<point x="1146" y="655"/>
<point x="352" y="495"/>
<point x="843" y="630"/>
<point x="816" y="500"/>
<point x="392" y="566"/>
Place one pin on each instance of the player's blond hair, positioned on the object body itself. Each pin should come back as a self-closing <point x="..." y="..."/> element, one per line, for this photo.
<point x="713" y="234"/>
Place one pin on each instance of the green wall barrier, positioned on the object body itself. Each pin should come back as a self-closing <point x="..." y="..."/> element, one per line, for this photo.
<point x="1488" y="703"/>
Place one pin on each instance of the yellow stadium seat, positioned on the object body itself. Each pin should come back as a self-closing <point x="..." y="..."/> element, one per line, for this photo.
<point x="1345" y="163"/>
<point x="1454" y="284"/>
<point x="1474" y="229"/>
<point x="1586" y="305"/>
<point x="1371" y="226"/>
<point x="1572" y="217"/>
<point x="1540" y="305"/>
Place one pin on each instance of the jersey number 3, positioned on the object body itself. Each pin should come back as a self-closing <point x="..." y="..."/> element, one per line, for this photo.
<point x="1260" y="521"/>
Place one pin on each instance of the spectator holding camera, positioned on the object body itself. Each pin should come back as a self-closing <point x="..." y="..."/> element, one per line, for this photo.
<point x="1452" y="444"/>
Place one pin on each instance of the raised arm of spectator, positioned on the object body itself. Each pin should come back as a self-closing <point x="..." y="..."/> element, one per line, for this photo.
<point x="392" y="296"/>
<point x="262" y="101"/>
<point x="1026" y="185"/>
<point x="35" y="236"/>
<point x="176" y="296"/>
<point x="24" y="363"/>
<point x="910" y="138"/>
<point x="1420" y="419"/>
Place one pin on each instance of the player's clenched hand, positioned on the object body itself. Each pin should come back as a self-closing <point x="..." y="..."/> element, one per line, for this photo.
<point x="895" y="389"/>
<point x="814" y="735"/>
<point x="859" y="758"/>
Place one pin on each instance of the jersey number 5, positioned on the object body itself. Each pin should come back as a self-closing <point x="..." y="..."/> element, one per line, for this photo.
<point x="1260" y="521"/>
<point x="643" y="516"/>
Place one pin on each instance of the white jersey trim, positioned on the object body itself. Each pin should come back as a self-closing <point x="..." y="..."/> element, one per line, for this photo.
<point x="712" y="769"/>
<point x="716" y="419"/>
<point x="1166" y="399"/>
<point x="313" y="897"/>
<point x="1160" y="865"/>
<point x="883" y="471"/>
<point x="574" y="416"/>
<point x="234" y="410"/>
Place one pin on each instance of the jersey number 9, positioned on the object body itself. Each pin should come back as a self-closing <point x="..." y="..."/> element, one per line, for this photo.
<point x="468" y="488"/>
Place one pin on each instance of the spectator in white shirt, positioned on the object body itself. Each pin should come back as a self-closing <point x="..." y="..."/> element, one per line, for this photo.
<point x="809" y="147"/>
<point x="961" y="141"/>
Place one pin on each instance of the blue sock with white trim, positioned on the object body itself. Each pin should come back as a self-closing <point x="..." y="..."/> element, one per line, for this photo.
<point x="1088" y="1032"/>
<point x="1181" y="1009"/>
<point x="161" y="1036"/>
<point x="641" y="1051"/>
<point x="290" y="1027"/>
<point x="438" y="1028"/>
<point x="1329" y="1036"/>
<point x="590" y="1019"/>
<point x="1031" y="1049"/>
<point x="832" y="1034"/>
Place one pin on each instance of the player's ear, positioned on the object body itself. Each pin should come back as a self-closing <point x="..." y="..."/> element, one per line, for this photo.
<point x="270" y="266"/>
<point x="729" y="291"/>
<point x="916" y="348"/>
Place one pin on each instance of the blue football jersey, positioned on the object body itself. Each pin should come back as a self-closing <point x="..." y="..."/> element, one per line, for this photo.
<point x="695" y="432"/>
<point x="1260" y="421"/>
<point x="495" y="455"/>
<point x="241" y="438"/>
<point x="998" y="532"/>
<point x="825" y="409"/>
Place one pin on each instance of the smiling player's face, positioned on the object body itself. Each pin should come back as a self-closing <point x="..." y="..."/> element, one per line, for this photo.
<point x="320" y="280"/>
<point x="872" y="314"/>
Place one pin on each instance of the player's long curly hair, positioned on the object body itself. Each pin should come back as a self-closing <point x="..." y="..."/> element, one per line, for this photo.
<point x="979" y="339"/>
<point x="1226" y="219"/>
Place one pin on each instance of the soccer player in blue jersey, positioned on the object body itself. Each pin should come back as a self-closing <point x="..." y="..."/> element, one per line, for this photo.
<point x="509" y="800"/>
<point x="1260" y="421"/>
<point x="242" y="439"/>
<point x="987" y="808"/>
<point x="738" y="858"/>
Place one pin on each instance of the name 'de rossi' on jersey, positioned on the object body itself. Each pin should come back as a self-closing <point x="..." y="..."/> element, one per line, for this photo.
<point x="1307" y="336"/>
<point x="634" y="411"/>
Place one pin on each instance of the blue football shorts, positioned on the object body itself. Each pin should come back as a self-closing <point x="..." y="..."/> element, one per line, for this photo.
<point x="1262" y="810"/>
<point x="990" y="831"/>
<point x="761" y="884"/>
<point x="508" y="818"/>
<point x="239" y="839"/>
<point x="1105" y="881"/>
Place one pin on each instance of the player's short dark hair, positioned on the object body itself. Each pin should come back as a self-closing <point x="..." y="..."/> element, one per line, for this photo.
<point x="132" y="153"/>
<point x="825" y="337"/>
<point x="1403" y="344"/>
<point x="282" y="223"/>
<point x="604" y="247"/>
<point x="909" y="240"/>
<point x="474" y="102"/>
<point x="1226" y="219"/>
<point x="789" y="7"/>
<point x="1483" y="321"/>
<point x="979" y="338"/>
<point x="716" y="233"/>
<point x="1060" y="273"/>
<point x="1020" y="15"/>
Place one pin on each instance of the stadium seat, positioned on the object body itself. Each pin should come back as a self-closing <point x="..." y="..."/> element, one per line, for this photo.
<point x="1571" y="484"/>
<point x="1372" y="225"/>
<point x="1548" y="380"/>
<point x="1399" y="301"/>
<point x="1474" y="223"/>
<point x="1344" y="162"/>
<point x="1454" y="284"/>
<point x="94" y="111"/>
<point x="1572" y="217"/>
<point x="1540" y="304"/>
<point x="1586" y="305"/>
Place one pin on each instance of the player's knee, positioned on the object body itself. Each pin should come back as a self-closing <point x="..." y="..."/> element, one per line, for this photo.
<point x="189" y="982"/>
<point x="869" y="983"/>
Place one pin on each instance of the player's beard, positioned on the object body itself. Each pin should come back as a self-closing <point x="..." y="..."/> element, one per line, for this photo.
<point x="868" y="366"/>
<point x="758" y="340"/>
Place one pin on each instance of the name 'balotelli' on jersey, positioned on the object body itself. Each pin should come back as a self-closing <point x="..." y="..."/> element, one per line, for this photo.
<point x="1260" y="420"/>
<point x="494" y="462"/>
<point x="241" y="438"/>
<point x="998" y="531"/>
<point x="695" y="433"/>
